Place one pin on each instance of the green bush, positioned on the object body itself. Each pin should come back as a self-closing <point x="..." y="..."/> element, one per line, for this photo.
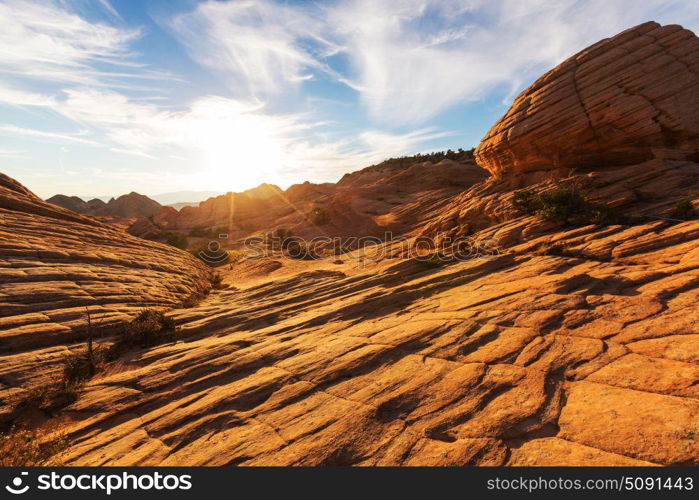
<point x="565" y="203"/>
<point x="192" y="300"/>
<point x="149" y="328"/>
<point x="561" y="203"/>
<point x="526" y="201"/>
<point x="559" y="250"/>
<point x="217" y="281"/>
<point x="80" y="367"/>
<point x="604" y="215"/>
<point x="49" y="397"/>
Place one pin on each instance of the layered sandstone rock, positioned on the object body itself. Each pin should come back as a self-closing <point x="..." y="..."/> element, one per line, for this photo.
<point x="520" y="359"/>
<point x="55" y="263"/>
<point x="624" y="100"/>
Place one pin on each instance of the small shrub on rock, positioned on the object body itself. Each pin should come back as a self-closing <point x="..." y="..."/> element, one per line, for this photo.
<point x="604" y="215"/>
<point x="566" y="204"/>
<point x="149" y="328"/>
<point x="176" y="240"/>
<point x="217" y="281"/>
<point x="561" y="203"/>
<point x="526" y="201"/>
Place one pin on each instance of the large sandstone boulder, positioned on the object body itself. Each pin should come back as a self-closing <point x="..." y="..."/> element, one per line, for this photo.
<point x="55" y="263"/>
<point x="624" y="100"/>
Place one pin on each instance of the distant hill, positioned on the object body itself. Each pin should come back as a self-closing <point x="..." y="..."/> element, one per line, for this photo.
<point x="73" y="203"/>
<point x="130" y="205"/>
<point x="396" y="195"/>
<point x="127" y="205"/>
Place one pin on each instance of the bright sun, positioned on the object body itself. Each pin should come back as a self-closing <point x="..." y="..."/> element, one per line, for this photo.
<point x="239" y="151"/>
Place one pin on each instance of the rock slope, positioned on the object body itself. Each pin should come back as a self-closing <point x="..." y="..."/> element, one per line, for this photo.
<point x="54" y="263"/>
<point x="521" y="359"/>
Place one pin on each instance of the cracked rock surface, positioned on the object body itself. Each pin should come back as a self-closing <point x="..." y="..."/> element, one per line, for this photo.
<point x="518" y="359"/>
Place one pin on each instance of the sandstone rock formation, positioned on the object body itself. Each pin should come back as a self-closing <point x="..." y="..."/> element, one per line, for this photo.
<point x="624" y="100"/>
<point x="54" y="263"/>
<point x="522" y="359"/>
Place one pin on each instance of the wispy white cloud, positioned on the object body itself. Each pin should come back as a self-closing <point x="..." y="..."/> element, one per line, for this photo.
<point x="412" y="59"/>
<point x="20" y="97"/>
<point x="260" y="46"/>
<point x="140" y="154"/>
<point x="406" y="62"/>
<point x="78" y="138"/>
<point x="266" y="49"/>
<point x="13" y="154"/>
<point x="415" y="58"/>
<point x="238" y="141"/>
<point x="43" y="40"/>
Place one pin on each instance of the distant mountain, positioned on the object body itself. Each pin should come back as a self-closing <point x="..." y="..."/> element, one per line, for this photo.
<point x="96" y="203"/>
<point x="130" y="205"/>
<point x="190" y="197"/>
<point x="127" y="205"/>
<point x="73" y="203"/>
<point x="390" y="196"/>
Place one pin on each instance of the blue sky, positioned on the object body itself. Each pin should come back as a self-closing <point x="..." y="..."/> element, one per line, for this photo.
<point x="103" y="97"/>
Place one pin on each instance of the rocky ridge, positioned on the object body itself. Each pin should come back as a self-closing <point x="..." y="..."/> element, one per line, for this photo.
<point x="372" y="201"/>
